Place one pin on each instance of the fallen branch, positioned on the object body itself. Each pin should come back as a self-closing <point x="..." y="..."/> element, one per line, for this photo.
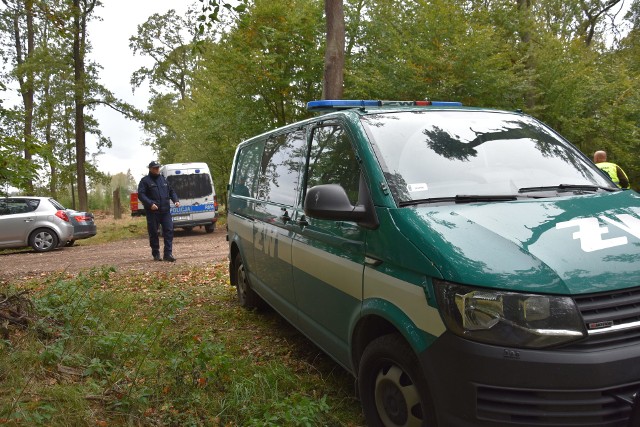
<point x="15" y="310"/>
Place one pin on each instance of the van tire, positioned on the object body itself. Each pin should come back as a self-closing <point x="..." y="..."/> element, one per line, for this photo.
<point x="43" y="240"/>
<point x="388" y="376"/>
<point x="246" y="296"/>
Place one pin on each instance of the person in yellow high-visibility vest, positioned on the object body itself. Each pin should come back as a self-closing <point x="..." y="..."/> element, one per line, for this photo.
<point x="614" y="171"/>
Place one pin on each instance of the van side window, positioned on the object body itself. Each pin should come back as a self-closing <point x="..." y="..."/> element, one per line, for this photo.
<point x="281" y="162"/>
<point x="246" y="177"/>
<point x="332" y="161"/>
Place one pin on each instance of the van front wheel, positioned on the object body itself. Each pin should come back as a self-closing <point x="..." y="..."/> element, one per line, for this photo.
<point x="246" y="296"/>
<point x="392" y="388"/>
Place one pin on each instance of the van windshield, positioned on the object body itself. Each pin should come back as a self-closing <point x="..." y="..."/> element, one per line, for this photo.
<point x="191" y="186"/>
<point x="428" y="155"/>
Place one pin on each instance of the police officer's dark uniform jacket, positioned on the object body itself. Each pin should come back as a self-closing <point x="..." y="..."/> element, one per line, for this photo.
<point x="155" y="189"/>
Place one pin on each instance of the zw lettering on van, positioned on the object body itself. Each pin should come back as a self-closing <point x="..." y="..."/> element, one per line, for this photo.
<point x="590" y="232"/>
<point x="196" y="208"/>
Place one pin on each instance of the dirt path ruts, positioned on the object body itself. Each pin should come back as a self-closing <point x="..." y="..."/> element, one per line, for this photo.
<point x="191" y="248"/>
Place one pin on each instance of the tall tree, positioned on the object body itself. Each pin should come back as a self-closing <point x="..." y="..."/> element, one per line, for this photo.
<point x="22" y="11"/>
<point x="163" y="38"/>
<point x="82" y="9"/>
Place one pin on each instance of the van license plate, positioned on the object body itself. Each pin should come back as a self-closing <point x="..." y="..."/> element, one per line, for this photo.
<point x="181" y="218"/>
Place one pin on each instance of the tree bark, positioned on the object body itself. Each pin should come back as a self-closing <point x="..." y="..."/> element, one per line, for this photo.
<point x="525" y="29"/>
<point x="79" y="48"/>
<point x="333" y="81"/>
<point x="25" y="79"/>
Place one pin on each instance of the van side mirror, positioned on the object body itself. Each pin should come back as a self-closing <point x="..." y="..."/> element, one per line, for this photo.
<point x="330" y="201"/>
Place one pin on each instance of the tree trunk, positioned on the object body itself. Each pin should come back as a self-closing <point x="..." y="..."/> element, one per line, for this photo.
<point x="333" y="81"/>
<point x="79" y="26"/>
<point x="525" y="29"/>
<point x="26" y="82"/>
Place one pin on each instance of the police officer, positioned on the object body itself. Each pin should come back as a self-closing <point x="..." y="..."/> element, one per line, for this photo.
<point x="614" y="171"/>
<point x="155" y="192"/>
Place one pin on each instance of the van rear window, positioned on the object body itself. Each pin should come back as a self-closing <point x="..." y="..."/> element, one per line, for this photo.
<point x="191" y="186"/>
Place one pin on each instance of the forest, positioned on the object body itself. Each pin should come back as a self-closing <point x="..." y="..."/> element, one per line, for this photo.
<point x="226" y="72"/>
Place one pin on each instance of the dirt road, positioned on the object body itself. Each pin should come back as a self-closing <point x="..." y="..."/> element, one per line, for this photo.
<point x="191" y="248"/>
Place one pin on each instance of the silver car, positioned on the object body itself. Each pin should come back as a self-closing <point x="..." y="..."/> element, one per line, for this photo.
<point x="39" y="222"/>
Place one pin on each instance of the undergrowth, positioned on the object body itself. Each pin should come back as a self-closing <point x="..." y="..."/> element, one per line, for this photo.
<point x="163" y="349"/>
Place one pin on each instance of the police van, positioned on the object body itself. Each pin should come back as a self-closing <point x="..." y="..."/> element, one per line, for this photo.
<point x="470" y="267"/>
<point x="198" y="202"/>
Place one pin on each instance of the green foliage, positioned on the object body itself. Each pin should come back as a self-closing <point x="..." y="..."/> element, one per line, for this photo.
<point x="260" y="65"/>
<point x="232" y="70"/>
<point x="259" y="75"/>
<point x="41" y="152"/>
<point x="15" y="170"/>
<point x="163" y="349"/>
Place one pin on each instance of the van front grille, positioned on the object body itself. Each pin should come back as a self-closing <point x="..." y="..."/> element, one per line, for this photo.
<point x="612" y="318"/>
<point x="526" y="407"/>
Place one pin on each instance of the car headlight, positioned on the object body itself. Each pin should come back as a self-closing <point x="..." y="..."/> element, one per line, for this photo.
<point x="508" y="318"/>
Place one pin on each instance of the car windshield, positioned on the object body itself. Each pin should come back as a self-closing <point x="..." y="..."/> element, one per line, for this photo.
<point x="429" y="155"/>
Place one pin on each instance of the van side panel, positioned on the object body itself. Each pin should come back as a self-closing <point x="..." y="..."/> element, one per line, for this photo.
<point x="243" y="237"/>
<point x="272" y="275"/>
<point x="327" y="277"/>
<point x="416" y="314"/>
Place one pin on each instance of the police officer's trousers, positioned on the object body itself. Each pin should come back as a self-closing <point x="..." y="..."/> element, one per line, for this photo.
<point x="154" y="221"/>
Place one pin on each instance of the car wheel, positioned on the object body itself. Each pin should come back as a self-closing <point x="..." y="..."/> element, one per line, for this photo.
<point x="43" y="240"/>
<point x="246" y="296"/>
<point x="392" y="387"/>
<point x="209" y="228"/>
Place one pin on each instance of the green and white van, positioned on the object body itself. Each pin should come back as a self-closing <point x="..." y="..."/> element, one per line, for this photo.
<point x="469" y="266"/>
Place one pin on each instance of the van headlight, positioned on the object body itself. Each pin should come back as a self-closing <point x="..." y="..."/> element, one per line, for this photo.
<point x="508" y="318"/>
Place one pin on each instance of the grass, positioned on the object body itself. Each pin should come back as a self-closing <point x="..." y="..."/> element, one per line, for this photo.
<point x="111" y="229"/>
<point x="108" y="348"/>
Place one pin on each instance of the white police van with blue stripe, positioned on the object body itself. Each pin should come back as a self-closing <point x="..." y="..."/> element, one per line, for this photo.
<point x="194" y="186"/>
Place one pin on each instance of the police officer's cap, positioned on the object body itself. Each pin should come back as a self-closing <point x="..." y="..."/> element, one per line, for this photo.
<point x="154" y="164"/>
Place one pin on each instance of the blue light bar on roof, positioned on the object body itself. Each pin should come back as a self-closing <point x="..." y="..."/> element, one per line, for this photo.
<point x="339" y="104"/>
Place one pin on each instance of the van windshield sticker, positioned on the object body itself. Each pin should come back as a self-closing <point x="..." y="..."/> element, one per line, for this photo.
<point x="590" y="231"/>
<point x="422" y="186"/>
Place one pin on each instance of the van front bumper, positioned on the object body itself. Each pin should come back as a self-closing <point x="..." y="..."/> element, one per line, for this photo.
<point x="476" y="385"/>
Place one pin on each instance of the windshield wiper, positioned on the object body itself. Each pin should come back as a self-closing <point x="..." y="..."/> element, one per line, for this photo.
<point x="566" y="187"/>
<point x="463" y="198"/>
